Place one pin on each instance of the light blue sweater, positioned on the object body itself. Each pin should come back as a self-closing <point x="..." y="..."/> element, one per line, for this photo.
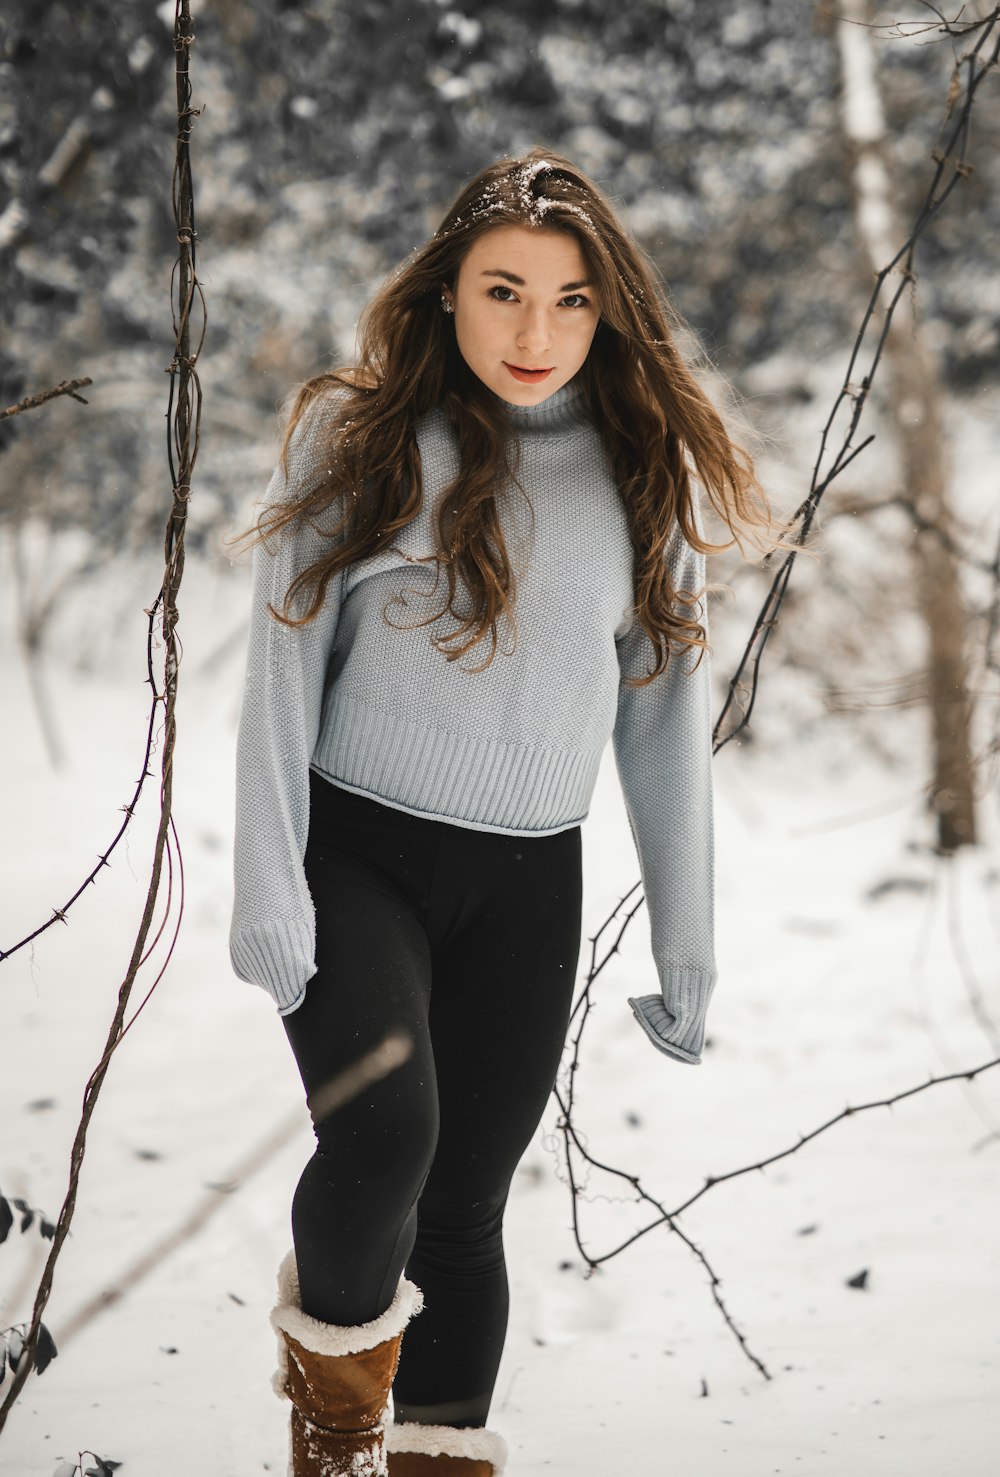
<point x="376" y="708"/>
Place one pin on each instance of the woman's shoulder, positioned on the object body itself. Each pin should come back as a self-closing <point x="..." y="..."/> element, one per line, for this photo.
<point x="326" y="404"/>
<point x="318" y="409"/>
<point x="326" y="394"/>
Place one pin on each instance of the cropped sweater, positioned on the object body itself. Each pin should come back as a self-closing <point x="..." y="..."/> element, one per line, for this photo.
<point x="368" y="702"/>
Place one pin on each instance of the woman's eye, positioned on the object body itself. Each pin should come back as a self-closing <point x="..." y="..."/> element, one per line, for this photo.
<point x="574" y="300"/>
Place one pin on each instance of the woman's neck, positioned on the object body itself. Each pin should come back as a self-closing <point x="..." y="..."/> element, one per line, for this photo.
<point x="565" y="407"/>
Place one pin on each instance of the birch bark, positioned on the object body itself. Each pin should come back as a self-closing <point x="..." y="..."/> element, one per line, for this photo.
<point x="915" y="399"/>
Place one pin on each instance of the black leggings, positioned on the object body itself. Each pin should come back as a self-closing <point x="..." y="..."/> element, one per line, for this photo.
<point x="466" y="941"/>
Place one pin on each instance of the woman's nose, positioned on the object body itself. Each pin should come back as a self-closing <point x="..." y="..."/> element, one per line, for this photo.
<point x="534" y="333"/>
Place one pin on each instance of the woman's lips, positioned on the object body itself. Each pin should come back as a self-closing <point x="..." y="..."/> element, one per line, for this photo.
<point x="528" y="376"/>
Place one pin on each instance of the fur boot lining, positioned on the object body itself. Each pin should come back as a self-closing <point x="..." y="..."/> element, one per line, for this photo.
<point x="331" y="1338"/>
<point x="470" y="1441"/>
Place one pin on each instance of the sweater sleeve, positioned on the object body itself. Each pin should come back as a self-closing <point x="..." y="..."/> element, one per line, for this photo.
<point x="273" y="934"/>
<point x="663" y="750"/>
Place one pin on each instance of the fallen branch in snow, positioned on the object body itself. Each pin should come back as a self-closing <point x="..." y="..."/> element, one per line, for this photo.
<point x="968" y="1074"/>
<point x="184" y="422"/>
<point x="31" y="402"/>
<point x="571" y="1137"/>
<point x="572" y="1141"/>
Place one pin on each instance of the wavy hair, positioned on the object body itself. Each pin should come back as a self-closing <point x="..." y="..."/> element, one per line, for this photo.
<point x="657" y="424"/>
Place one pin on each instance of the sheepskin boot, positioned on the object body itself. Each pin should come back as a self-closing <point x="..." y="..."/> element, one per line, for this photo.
<point x="338" y="1380"/>
<point x="414" y="1450"/>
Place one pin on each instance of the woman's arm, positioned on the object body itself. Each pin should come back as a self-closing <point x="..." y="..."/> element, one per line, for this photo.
<point x="272" y="940"/>
<point x="663" y="750"/>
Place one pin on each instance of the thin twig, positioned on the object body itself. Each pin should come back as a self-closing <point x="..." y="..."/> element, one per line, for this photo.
<point x="31" y="402"/>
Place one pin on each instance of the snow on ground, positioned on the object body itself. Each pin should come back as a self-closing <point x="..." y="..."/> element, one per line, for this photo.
<point x="828" y="995"/>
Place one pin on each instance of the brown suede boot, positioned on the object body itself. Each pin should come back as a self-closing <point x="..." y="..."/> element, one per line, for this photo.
<point x="338" y="1380"/>
<point x="415" y="1450"/>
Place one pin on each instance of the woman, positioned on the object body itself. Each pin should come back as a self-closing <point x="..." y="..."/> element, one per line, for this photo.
<point x="480" y="559"/>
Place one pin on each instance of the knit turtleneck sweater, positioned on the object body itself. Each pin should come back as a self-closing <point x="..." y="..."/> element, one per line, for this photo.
<point x="370" y="704"/>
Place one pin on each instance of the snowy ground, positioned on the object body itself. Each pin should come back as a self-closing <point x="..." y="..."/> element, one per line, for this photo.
<point x="828" y="996"/>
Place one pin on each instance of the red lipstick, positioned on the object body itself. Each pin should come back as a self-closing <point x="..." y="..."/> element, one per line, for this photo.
<point x="528" y="376"/>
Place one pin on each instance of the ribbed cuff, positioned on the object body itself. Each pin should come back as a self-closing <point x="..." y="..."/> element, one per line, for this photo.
<point x="278" y="956"/>
<point x="678" y="1028"/>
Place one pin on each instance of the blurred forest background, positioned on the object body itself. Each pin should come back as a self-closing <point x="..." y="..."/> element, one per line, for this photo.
<point x="332" y="137"/>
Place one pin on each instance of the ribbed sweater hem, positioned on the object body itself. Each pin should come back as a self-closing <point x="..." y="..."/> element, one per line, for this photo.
<point x="480" y="783"/>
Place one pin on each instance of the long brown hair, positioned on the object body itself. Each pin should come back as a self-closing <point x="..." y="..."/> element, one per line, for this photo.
<point x="654" y="418"/>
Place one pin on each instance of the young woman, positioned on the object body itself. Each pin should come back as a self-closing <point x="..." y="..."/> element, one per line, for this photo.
<point x="481" y="558"/>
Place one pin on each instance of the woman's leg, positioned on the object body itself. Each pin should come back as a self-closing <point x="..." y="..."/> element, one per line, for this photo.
<point x="504" y="921"/>
<point x="354" y="1211"/>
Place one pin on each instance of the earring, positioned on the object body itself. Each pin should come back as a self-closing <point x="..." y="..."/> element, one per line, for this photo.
<point x="447" y="305"/>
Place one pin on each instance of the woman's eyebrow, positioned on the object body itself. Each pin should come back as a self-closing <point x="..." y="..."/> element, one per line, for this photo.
<point x="519" y="281"/>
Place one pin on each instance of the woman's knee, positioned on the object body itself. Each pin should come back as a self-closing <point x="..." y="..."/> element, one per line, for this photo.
<point x="387" y="1132"/>
<point x="459" y="1237"/>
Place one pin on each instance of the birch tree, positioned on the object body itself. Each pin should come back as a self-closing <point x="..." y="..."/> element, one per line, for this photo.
<point x="915" y="401"/>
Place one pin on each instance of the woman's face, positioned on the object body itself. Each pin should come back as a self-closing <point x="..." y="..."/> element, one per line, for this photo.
<point x="523" y="303"/>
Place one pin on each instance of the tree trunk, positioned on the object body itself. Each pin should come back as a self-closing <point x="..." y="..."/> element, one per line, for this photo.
<point x="915" y="401"/>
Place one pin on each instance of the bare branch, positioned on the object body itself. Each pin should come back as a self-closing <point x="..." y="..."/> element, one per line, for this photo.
<point x="951" y="166"/>
<point x="31" y="402"/>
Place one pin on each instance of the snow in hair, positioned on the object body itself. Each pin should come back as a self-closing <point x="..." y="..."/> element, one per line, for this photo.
<point x="495" y="199"/>
<point x="525" y="177"/>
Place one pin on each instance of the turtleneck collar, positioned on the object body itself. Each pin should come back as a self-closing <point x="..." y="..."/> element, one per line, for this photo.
<point x="566" y="407"/>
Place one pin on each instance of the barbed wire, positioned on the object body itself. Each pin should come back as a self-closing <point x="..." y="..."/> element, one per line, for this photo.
<point x="184" y="423"/>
